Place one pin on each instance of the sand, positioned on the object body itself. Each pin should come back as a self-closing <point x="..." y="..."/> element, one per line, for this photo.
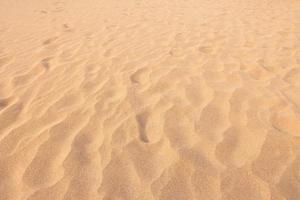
<point x="150" y="100"/>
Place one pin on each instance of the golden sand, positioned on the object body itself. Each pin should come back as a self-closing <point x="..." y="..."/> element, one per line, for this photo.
<point x="150" y="100"/>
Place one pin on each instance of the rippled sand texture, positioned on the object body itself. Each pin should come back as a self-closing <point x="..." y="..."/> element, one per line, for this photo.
<point x="150" y="100"/>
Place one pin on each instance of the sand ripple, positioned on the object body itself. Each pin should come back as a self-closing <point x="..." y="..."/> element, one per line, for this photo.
<point x="141" y="100"/>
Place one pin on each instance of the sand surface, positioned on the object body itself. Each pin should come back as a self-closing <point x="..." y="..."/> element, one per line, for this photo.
<point x="150" y="100"/>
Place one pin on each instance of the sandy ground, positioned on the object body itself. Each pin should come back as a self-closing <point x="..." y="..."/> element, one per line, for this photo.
<point x="150" y="100"/>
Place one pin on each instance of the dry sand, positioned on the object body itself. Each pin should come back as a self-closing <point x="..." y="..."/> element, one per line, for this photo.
<point x="150" y="100"/>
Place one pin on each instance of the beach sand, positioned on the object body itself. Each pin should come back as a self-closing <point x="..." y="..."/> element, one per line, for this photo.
<point x="150" y="100"/>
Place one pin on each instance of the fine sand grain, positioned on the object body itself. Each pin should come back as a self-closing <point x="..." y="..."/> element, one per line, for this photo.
<point x="150" y="100"/>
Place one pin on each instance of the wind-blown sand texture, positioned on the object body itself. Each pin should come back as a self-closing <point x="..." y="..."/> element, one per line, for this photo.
<point x="150" y="100"/>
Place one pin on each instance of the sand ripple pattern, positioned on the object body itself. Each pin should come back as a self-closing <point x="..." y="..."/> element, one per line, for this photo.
<point x="150" y="100"/>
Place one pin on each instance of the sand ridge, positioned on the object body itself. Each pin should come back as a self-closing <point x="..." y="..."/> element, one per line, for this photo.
<point x="142" y="100"/>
